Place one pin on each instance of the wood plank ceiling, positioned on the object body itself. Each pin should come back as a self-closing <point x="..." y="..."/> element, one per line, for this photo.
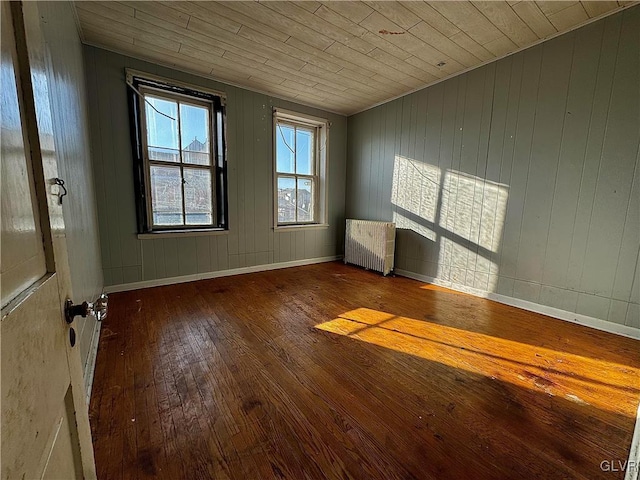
<point x="341" y="56"/>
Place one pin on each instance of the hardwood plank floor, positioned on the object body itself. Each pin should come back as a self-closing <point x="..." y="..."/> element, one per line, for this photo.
<point x="330" y="371"/>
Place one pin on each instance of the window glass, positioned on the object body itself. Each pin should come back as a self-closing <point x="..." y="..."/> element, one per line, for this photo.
<point x="166" y="195"/>
<point x="285" y="147"/>
<point x="194" y="132"/>
<point x="304" y="201"/>
<point x="162" y="129"/>
<point x="198" y="203"/>
<point x="304" y="151"/>
<point x="286" y="199"/>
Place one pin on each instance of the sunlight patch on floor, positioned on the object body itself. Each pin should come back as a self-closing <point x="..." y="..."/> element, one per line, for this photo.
<point x="582" y="380"/>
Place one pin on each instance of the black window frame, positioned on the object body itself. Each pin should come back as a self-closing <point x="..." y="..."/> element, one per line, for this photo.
<point x="136" y="82"/>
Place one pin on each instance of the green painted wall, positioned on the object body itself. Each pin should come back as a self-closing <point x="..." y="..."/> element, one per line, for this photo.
<point x="251" y="239"/>
<point x="65" y="72"/>
<point x="521" y="177"/>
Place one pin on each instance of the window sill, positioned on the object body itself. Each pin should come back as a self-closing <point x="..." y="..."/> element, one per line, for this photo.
<point x="182" y="233"/>
<point x="299" y="227"/>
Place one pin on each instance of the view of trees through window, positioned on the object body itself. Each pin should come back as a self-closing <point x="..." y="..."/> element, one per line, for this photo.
<point x="296" y="173"/>
<point x="179" y="155"/>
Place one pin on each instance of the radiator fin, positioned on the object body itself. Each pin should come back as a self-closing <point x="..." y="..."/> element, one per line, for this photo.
<point x="370" y="244"/>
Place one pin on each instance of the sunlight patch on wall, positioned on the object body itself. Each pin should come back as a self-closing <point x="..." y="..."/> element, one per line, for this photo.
<point x="461" y="213"/>
<point x="415" y="190"/>
<point x="473" y="210"/>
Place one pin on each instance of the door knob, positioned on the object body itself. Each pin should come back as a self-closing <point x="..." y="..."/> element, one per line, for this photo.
<point x="97" y="309"/>
<point x="71" y="310"/>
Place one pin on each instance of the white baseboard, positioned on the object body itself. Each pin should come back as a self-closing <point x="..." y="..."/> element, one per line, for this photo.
<point x="632" y="470"/>
<point x="573" y="317"/>
<point x="221" y="273"/>
<point x="90" y="364"/>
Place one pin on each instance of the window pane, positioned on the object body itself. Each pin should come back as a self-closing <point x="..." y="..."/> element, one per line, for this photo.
<point x="194" y="124"/>
<point x="305" y="200"/>
<point x="162" y="131"/>
<point x="286" y="200"/>
<point x="197" y="196"/>
<point x="285" y="146"/>
<point x="304" y="151"/>
<point x="166" y="195"/>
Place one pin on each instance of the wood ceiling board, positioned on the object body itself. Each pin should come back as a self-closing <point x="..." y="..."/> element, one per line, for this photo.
<point x="325" y="60"/>
<point x="120" y="7"/>
<point x="354" y="11"/>
<point x="595" y="9"/>
<point x="434" y="18"/>
<point x="299" y="56"/>
<point x="157" y="27"/>
<point x="530" y="13"/>
<point x="565" y="19"/>
<point x="339" y="21"/>
<point x="550" y="7"/>
<point x="195" y="56"/>
<point x="320" y="26"/>
<point x="397" y="13"/>
<point x="310" y="5"/>
<point x="419" y="63"/>
<point x="415" y="70"/>
<point x="282" y="23"/>
<point x="407" y="42"/>
<point x="447" y="46"/>
<point x="210" y="38"/>
<point x="93" y="35"/>
<point x="355" y="81"/>
<point x="153" y="54"/>
<point x="200" y="11"/>
<point x="469" y="19"/>
<point x="296" y="48"/>
<point x="94" y="15"/>
<point x="385" y="45"/>
<point x="364" y="61"/>
<point x="502" y="16"/>
<point x="500" y="46"/>
<point x="240" y="46"/>
<point x="296" y="75"/>
<point x="300" y="79"/>
<point x="465" y="41"/>
<point x="118" y="30"/>
<point x="162" y="10"/>
<point x="221" y="9"/>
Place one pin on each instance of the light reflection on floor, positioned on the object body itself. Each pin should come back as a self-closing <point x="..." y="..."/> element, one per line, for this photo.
<point x="579" y="379"/>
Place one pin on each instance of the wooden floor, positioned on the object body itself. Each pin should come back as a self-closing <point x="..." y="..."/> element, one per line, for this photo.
<point x="329" y="371"/>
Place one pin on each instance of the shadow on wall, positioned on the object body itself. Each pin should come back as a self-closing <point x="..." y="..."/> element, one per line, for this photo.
<point x="450" y="220"/>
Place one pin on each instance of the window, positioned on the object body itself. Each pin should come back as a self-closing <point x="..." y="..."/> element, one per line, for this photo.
<point x="179" y="147"/>
<point x="300" y="144"/>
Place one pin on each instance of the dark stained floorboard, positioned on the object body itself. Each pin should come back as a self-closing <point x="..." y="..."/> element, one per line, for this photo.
<point x="330" y="371"/>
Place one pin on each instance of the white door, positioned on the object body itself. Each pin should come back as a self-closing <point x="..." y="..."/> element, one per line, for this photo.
<point x="45" y="424"/>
